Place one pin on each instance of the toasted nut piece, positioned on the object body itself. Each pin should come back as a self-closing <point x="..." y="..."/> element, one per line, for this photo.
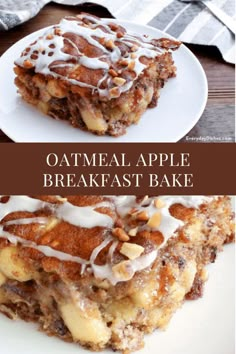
<point x="112" y="72"/>
<point x="54" y="243"/>
<point x="124" y="62"/>
<point x="159" y="203"/>
<point x="57" y="31"/>
<point x="119" y="34"/>
<point x="133" y="55"/>
<point x="114" y="92"/>
<point x="131" y="65"/>
<point x="110" y="44"/>
<point x="123" y="271"/>
<point x="154" y="220"/>
<point x="49" y="36"/>
<point x="62" y="199"/>
<point x="134" y="48"/>
<point x="113" y="26"/>
<point x="28" y="64"/>
<point x="102" y="40"/>
<point x="120" y="234"/>
<point x="131" y="250"/>
<point x="119" y="81"/>
<point x="133" y="232"/>
<point x="142" y="216"/>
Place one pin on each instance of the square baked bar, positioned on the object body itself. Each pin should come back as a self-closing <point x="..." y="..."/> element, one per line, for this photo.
<point x="102" y="271"/>
<point x="94" y="74"/>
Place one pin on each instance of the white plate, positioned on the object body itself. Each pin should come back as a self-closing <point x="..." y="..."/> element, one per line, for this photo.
<point x="180" y="106"/>
<point x="203" y="326"/>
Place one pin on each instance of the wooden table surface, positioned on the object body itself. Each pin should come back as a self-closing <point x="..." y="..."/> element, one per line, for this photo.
<point x="217" y="122"/>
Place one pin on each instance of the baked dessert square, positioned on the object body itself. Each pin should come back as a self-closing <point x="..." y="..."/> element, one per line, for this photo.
<point x="94" y="73"/>
<point x="104" y="270"/>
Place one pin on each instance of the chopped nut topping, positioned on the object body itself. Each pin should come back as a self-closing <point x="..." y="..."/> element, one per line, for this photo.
<point x="133" y="232"/>
<point x="49" y="36"/>
<point x="57" y="31"/>
<point x="54" y="243"/>
<point x="131" y="250"/>
<point x="112" y="72"/>
<point x="154" y="220"/>
<point x="119" y="34"/>
<point x="62" y="199"/>
<point x="131" y="65"/>
<point x="102" y="40"/>
<point x="114" y="92"/>
<point x="124" y="62"/>
<point x="142" y="216"/>
<point x="119" y="81"/>
<point x="159" y="203"/>
<point x="113" y="26"/>
<point x="123" y="270"/>
<point x="28" y="64"/>
<point x="134" y="48"/>
<point x="120" y="234"/>
<point x="110" y="44"/>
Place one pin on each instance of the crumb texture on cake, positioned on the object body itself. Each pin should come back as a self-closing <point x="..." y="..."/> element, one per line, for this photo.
<point x="94" y="73"/>
<point x="104" y="270"/>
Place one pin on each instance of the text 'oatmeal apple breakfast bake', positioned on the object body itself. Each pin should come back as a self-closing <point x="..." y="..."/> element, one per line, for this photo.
<point x="104" y="270"/>
<point x="94" y="74"/>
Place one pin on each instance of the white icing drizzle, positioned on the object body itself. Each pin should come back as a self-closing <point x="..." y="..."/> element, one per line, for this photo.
<point x="136" y="265"/>
<point x="27" y="221"/>
<point x="88" y="217"/>
<point x="169" y="224"/>
<point x="79" y="216"/>
<point x="48" y="49"/>
<point x="98" y="249"/>
<point x="83" y="216"/>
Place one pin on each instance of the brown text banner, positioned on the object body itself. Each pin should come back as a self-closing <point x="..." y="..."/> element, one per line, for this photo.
<point x="115" y="168"/>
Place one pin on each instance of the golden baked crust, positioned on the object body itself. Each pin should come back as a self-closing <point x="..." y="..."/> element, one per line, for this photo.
<point x="101" y="270"/>
<point x="94" y="73"/>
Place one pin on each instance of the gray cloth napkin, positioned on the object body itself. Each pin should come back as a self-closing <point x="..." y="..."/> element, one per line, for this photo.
<point x="188" y="22"/>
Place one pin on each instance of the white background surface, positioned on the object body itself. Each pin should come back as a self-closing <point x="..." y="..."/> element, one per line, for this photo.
<point x="180" y="106"/>
<point x="203" y="326"/>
